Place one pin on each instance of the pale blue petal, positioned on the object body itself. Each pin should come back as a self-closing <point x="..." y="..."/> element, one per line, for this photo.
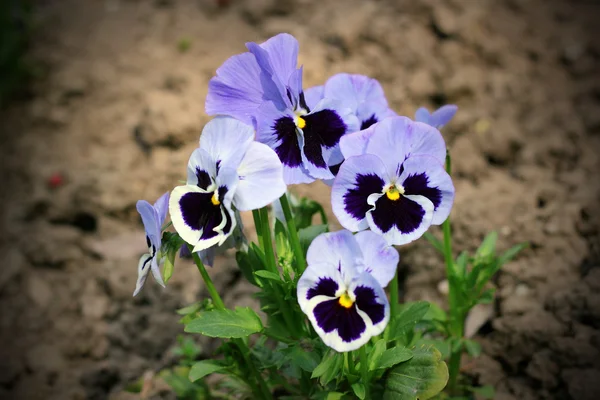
<point x="313" y="96"/>
<point x="379" y="258"/>
<point x="162" y="208"/>
<point x="261" y="178"/>
<point x="423" y="115"/>
<point x="338" y="249"/>
<point x="150" y="221"/>
<point x="226" y="139"/>
<point x="443" y="115"/>
<point x="355" y="144"/>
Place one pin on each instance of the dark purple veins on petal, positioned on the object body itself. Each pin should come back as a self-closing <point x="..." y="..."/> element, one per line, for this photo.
<point x="288" y="149"/>
<point x="204" y="180"/>
<point x="403" y="213"/>
<point x="325" y="287"/>
<point x="303" y="102"/>
<point x="355" y="199"/>
<point x="419" y="184"/>
<point x="368" y="122"/>
<point x="330" y="315"/>
<point x="199" y="213"/>
<point x="366" y="301"/>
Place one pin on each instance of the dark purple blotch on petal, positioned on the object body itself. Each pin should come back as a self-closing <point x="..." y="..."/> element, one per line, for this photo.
<point x="198" y="212"/>
<point x="204" y="180"/>
<point x="355" y="199"/>
<point x="326" y="126"/>
<point x="334" y="169"/>
<point x="330" y="315"/>
<point x="403" y="213"/>
<point x="419" y="184"/>
<point x="325" y="287"/>
<point x="288" y="149"/>
<point x="372" y="120"/>
<point x="366" y="301"/>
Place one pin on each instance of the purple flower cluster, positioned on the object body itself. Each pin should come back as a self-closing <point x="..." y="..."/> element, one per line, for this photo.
<point x="386" y="171"/>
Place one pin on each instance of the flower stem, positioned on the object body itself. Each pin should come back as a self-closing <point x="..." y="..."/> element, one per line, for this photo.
<point x="267" y="241"/>
<point x="364" y="369"/>
<point x="293" y="234"/>
<point x="244" y="350"/>
<point x="258" y="227"/>
<point x="456" y="327"/>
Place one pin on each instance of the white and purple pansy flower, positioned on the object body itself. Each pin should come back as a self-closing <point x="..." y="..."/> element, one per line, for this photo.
<point x="153" y="216"/>
<point x="265" y="87"/>
<point x="438" y="118"/>
<point x="228" y="170"/>
<point x="341" y="290"/>
<point x="393" y="180"/>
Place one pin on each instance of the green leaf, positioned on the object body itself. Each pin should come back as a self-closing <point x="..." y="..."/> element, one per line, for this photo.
<point x="205" y="367"/>
<point x="460" y="265"/>
<point x="306" y="360"/>
<point x="268" y="275"/>
<point x="435" y="242"/>
<point x="442" y="345"/>
<point x="407" y="318"/>
<point x="376" y="353"/>
<point x="307" y="235"/>
<point x="226" y="323"/>
<point x="487" y="297"/>
<point x="359" y="390"/>
<point x="393" y="356"/>
<point x="472" y="347"/>
<point x="329" y="367"/>
<point x="421" y="377"/>
<point x="511" y="253"/>
<point x="487" y="391"/>
<point x="488" y="246"/>
<point x="168" y="268"/>
<point x="334" y="396"/>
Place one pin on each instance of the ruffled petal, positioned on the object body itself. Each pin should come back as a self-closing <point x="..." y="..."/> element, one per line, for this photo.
<point x="403" y="220"/>
<point x="226" y="139"/>
<point x="261" y="178"/>
<point x="355" y="144"/>
<point x="313" y="96"/>
<point x="335" y="248"/>
<point x="358" y="178"/>
<point x="379" y="258"/>
<point x="201" y="170"/>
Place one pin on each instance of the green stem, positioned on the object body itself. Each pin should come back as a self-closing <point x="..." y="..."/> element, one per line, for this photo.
<point x="258" y="227"/>
<point x="267" y="241"/>
<point x="393" y="303"/>
<point x="293" y="234"/>
<point x="364" y="369"/>
<point x="244" y="350"/>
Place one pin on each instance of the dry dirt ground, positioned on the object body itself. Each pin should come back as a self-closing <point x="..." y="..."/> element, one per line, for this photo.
<point x="120" y="110"/>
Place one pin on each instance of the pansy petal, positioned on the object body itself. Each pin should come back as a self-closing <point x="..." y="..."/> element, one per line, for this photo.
<point x="236" y="90"/>
<point x="162" y="208"/>
<point x="371" y="302"/>
<point x="321" y="281"/>
<point x="261" y="178"/>
<point x="144" y="266"/>
<point x="397" y="138"/>
<point x="380" y="259"/>
<point x="226" y="139"/>
<point x="335" y="248"/>
<point x="294" y="85"/>
<point x="358" y="178"/>
<point x="313" y="96"/>
<point x="201" y="169"/>
<point x="425" y="176"/>
<point x="355" y="144"/>
<point x="423" y="115"/>
<point x="282" y="51"/>
<point x="443" y="115"/>
<point x="401" y="221"/>
<point x="150" y="221"/>
<point x="156" y="272"/>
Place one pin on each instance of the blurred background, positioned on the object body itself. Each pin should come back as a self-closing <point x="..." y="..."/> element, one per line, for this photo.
<point x="102" y="102"/>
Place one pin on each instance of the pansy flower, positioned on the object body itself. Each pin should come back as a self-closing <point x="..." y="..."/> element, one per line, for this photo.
<point x="341" y="290"/>
<point x="265" y="87"/>
<point x="153" y="216"/>
<point x="228" y="170"/>
<point x="438" y="118"/>
<point x="393" y="182"/>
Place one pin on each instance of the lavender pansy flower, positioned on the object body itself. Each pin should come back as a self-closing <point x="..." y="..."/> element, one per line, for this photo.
<point x="153" y="216"/>
<point x="265" y="87"/>
<point x="228" y="170"/>
<point x="394" y="183"/>
<point x="341" y="290"/>
<point x="438" y="118"/>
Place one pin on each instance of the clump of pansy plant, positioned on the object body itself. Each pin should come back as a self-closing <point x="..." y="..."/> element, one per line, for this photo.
<point x="327" y="327"/>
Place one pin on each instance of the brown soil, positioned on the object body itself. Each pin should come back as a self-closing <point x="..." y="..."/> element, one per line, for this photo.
<point x="121" y="108"/>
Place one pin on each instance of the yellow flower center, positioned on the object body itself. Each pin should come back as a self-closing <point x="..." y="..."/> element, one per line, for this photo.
<point x="215" y="199"/>
<point x="393" y="192"/>
<point x="345" y="301"/>
<point x="300" y="122"/>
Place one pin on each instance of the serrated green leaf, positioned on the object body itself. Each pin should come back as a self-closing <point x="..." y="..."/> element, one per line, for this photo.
<point x="226" y="323"/>
<point x="376" y="353"/>
<point x="205" y="367"/>
<point x="421" y="377"/>
<point x="268" y="275"/>
<point x="359" y="390"/>
<point x="393" y="356"/>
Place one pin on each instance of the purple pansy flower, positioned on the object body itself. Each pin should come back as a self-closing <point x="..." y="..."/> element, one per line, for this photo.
<point x="228" y="170"/>
<point x="438" y="118"/>
<point x="341" y="290"/>
<point x="265" y="87"/>
<point x="153" y="216"/>
<point x="393" y="180"/>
